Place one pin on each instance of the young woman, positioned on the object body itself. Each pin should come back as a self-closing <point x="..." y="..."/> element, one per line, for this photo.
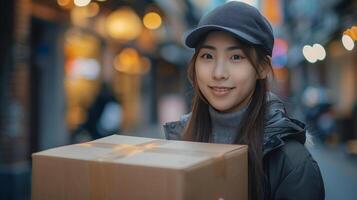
<point x="229" y="69"/>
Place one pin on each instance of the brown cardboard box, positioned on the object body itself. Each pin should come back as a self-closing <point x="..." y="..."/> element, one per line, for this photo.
<point x="135" y="168"/>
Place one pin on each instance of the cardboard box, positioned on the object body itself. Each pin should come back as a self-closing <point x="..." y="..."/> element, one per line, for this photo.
<point x="135" y="168"/>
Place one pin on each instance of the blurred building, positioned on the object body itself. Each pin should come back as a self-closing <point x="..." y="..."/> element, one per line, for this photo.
<point x="77" y="70"/>
<point x="317" y="57"/>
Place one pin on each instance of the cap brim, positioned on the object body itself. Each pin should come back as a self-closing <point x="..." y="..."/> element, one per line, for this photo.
<point x="191" y="38"/>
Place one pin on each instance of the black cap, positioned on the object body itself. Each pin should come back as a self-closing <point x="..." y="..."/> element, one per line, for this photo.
<point x="242" y="20"/>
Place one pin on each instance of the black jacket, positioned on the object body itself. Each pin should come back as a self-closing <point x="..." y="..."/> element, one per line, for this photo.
<point x="290" y="171"/>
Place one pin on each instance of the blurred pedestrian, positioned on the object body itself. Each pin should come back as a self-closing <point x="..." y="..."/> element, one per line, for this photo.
<point x="319" y="113"/>
<point x="229" y="69"/>
<point x="103" y="116"/>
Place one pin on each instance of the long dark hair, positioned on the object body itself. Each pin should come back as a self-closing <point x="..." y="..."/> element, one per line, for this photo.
<point x="251" y="128"/>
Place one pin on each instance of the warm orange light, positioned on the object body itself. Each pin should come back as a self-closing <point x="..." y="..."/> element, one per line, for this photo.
<point x="63" y="3"/>
<point x="272" y="10"/>
<point x="352" y="32"/>
<point x="123" y="24"/>
<point x="79" y="16"/>
<point x="129" y="61"/>
<point x="92" y="9"/>
<point x="129" y="57"/>
<point x="152" y="20"/>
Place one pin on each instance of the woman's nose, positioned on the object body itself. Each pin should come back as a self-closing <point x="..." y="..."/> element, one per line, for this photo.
<point x="220" y="71"/>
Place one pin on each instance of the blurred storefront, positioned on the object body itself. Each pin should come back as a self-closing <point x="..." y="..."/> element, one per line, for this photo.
<point x="322" y="69"/>
<point x="79" y="70"/>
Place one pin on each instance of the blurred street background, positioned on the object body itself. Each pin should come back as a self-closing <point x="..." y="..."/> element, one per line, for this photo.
<point x="78" y="70"/>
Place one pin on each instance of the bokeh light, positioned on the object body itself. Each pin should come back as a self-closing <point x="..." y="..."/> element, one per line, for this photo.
<point x="92" y="9"/>
<point x="127" y="61"/>
<point x="314" y="53"/>
<point x="81" y="3"/>
<point x="130" y="61"/>
<point x="63" y="3"/>
<point x="152" y="20"/>
<point x="309" y="54"/>
<point x="348" y="42"/>
<point x="319" y="51"/>
<point x="123" y="24"/>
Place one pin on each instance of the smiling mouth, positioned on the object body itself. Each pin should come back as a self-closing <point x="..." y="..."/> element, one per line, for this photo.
<point x="217" y="90"/>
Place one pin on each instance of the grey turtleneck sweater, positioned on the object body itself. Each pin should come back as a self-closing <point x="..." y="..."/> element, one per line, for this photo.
<point x="225" y="125"/>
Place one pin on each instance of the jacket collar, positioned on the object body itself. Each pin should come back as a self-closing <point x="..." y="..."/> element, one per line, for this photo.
<point x="278" y="127"/>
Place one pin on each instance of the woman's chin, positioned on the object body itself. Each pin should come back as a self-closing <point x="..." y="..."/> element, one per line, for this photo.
<point x="221" y="108"/>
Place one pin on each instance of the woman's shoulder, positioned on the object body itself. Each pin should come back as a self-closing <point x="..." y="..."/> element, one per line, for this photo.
<point x="292" y="170"/>
<point x="291" y="155"/>
<point x="292" y="162"/>
<point x="174" y="130"/>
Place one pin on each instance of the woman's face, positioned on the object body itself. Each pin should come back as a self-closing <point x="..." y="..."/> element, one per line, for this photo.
<point x="224" y="75"/>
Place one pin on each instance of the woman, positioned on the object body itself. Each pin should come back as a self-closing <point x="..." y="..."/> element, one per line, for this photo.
<point x="229" y="69"/>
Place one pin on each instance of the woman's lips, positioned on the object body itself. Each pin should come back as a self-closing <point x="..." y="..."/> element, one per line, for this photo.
<point x="220" y="91"/>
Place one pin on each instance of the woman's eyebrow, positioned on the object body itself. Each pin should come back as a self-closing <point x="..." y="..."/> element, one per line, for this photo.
<point x="233" y="48"/>
<point x="205" y="46"/>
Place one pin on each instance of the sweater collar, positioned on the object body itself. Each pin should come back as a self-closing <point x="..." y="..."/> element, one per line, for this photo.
<point x="221" y="119"/>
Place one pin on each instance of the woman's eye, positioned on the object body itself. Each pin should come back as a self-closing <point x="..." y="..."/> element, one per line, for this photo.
<point x="236" y="57"/>
<point x="206" y="56"/>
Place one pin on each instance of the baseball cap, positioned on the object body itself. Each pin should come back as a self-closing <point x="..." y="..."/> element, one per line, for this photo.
<point x="240" y="19"/>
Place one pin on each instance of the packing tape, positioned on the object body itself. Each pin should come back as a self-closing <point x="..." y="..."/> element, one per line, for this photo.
<point x="124" y="150"/>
